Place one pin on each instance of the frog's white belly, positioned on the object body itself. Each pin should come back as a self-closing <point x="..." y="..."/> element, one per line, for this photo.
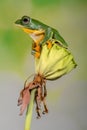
<point x="36" y="38"/>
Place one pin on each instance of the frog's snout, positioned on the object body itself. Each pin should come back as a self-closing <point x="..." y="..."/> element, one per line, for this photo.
<point x="17" y="21"/>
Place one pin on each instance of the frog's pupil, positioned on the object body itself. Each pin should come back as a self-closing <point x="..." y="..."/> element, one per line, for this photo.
<point x="25" y="20"/>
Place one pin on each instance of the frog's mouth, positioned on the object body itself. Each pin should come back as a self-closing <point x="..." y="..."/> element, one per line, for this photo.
<point x="28" y="30"/>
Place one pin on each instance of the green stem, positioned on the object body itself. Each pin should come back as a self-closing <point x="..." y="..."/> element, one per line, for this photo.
<point x="29" y="111"/>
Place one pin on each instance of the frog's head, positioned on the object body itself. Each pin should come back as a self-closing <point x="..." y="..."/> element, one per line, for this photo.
<point x="27" y="24"/>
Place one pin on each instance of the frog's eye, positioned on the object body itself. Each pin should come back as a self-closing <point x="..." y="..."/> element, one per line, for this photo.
<point x="25" y="20"/>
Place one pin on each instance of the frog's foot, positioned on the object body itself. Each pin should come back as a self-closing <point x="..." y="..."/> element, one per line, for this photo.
<point x="37" y="48"/>
<point x="49" y="44"/>
<point x="36" y="54"/>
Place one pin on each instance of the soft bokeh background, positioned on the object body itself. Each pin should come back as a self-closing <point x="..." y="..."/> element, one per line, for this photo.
<point x="67" y="97"/>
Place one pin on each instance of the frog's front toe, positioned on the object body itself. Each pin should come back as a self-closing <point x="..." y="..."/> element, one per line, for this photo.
<point x="36" y="54"/>
<point x="49" y="44"/>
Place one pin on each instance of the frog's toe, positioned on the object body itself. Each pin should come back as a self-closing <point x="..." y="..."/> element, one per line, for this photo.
<point x="49" y="44"/>
<point x="36" y="54"/>
<point x="37" y="48"/>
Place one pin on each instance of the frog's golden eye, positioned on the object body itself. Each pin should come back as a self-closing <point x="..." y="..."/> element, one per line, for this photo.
<point x="25" y="20"/>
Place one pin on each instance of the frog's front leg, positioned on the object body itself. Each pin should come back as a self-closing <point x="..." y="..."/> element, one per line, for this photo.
<point x="48" y="35"/>
<point x="48" y="38"/>
<point x="36" y="50"/>
<point x="42" y="39"/>
<point x="36" y="46"/>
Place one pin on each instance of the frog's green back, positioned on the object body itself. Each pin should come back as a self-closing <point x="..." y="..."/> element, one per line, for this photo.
<point x="59" y="38"/>
<point x="56" y="35"/>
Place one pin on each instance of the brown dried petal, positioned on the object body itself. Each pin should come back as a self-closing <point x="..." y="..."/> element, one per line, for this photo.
<point x="24" y="100"/>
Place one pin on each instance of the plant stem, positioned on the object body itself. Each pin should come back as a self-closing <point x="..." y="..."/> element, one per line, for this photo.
<point x="29" y="111"/>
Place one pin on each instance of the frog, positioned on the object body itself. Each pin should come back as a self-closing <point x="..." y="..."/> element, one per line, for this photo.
<point x="40" y="33"/>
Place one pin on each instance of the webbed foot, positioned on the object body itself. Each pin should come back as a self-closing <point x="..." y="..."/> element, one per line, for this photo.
<point x="36" y="54"/>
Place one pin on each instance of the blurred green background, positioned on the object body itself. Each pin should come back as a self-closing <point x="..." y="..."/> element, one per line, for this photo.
<point x="69" y="17"/>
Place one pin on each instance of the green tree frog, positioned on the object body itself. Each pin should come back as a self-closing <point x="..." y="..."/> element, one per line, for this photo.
<point x="40" y="33"/>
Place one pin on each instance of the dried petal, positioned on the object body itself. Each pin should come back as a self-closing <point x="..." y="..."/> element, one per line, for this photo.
<point x="24" y="100"/>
